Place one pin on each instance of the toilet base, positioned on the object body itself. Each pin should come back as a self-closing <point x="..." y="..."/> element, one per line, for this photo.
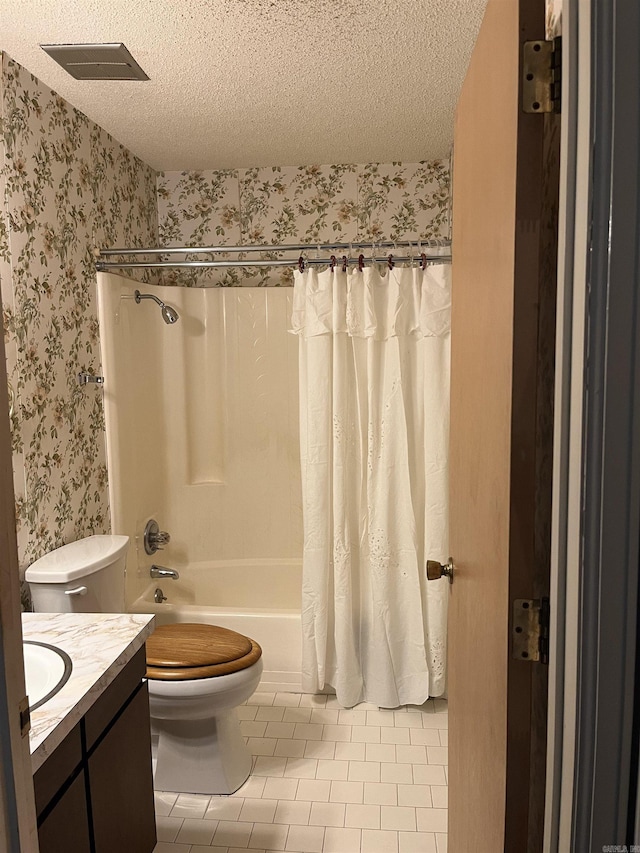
<point x="200" y="756"/>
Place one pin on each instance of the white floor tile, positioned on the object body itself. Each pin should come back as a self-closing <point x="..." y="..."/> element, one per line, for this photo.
<point x="442" y="706"/>
<point x="434" y="721"/>
<point x="426" y="737"/>
<point x="291" y="700"/>
<point x="441" y="842"/>
<point x="167" y="828"/>
<point x="261" y="699"/>
<point x="297" y="715"/>
<point x="267" y="765"/>
<point x="429" y="775"/>
<point x="281" y="730"/>
<point x="292" y="748"/>
<point x="253" y="787"/>
<point x="380" y="793"/>
<point x="380" y="752"/>
<point x="301" y="768"/>
<point x="196" y="831"/>
<point x="258" y="811"/>
<point x="352" y="717"/>
<point x="281" y="789"/>
<point x="398" y="817"/>
<point x="190" y="805"/>
<point x="261" y="745"/>
<point x="270" y="714"/>
<point x="167" y="847"/>
<point x="338" y="840"/>
<point x="350" y="751"/>
<point x="246" y="712"/>
<point x="224" y="808"/>
<point x="313" y="700"/>
<point x="338" y="770"/>
<point x="444" y="737"/>
<point x="327" y="814"/>
<point x="398" y="773"/>
<point x="197" y="848"/>
<point x="379" y="841"/>
<point x="413" y="754"/>
<point x="293" y="811"/>
<point x="437" y="755"/>
<point x="305" y="838"/>
<point x="318" y="748"/>
<point x="232" y="834"/>
<point x="347" y="792"/>
<point x="364" y="771"/>
<point x="389" y="735"/>
<point x="410" y="719"/>
<point x="254" y="728"/>
<point x="314" y="790"/>
<point x="439" y="796"/>
<point x="337" y="732"/>
<point x="365" y="734"/>
<point x="268" y="836"/>
<point x="324" y="715"/>
<point x="415" y="795"/>
<point x="361" y="816"/>
<point x="380" y="718"/>
<point x="164" y="802"/>
<point x="308" y="731"/>
<point x="417" y="842"/>
<point x="432" y="820"/>
<point x="332" y="702"/>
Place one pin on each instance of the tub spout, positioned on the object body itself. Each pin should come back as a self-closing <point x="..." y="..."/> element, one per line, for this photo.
<point x="161" y="572"/>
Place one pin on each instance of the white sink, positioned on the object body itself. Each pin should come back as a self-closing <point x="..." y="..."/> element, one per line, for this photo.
<point x="46" y="670"/>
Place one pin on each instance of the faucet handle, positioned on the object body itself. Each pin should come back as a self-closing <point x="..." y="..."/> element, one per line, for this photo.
<point x="154" y="538"/>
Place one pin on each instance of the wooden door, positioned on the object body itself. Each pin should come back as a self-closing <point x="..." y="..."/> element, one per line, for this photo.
<point x="504" y="208"/>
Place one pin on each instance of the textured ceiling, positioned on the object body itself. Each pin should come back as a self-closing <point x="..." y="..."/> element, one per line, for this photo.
<point x="262" y="82"/>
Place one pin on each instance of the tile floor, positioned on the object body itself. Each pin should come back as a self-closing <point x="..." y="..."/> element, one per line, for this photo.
<point x="325" y="780"/>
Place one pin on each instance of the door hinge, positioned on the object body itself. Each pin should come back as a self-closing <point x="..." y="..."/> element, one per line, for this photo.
<point x="530" y="632"/>
<point x="542" y="76"/>
<point x="25" y="716"/>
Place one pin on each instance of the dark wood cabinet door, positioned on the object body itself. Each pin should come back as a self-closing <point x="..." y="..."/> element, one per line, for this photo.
<point x="121" y="783"/>
<point x="66" y="827"/>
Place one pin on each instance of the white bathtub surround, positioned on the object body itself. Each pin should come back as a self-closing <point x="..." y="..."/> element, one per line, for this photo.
<point x="197" y="743"/>
<point x="99" y="645"/>
<point x="374" y="415"/>
<point x="325" y="779"/>
<point x="257" y="598"/>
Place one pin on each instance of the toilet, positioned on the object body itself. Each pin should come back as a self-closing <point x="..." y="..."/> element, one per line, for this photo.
<point x="197" y="674"/>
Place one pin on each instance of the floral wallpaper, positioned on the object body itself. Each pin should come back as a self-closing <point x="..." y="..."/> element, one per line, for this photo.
<point x="291" y="204"/>
<point x="66" y="187"/>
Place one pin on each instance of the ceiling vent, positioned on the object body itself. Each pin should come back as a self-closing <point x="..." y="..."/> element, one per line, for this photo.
<point x="96" y="61"/>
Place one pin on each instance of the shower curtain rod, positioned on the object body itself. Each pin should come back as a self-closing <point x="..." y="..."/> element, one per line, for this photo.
<point x="424" y="249"/>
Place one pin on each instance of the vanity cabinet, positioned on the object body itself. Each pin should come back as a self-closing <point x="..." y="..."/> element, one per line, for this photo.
<point x="94" y="794"/>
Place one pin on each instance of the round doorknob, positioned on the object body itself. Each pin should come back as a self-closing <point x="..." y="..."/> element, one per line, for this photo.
<point x="436" y="570"/>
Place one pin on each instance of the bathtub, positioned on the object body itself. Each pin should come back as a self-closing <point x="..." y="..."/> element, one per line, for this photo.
<point x="258" y="598"/>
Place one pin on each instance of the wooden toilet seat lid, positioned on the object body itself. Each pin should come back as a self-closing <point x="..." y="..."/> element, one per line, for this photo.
<point x="187" y="650"/>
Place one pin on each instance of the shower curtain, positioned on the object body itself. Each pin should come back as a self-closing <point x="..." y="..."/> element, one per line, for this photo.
<point x="374" y="424"/>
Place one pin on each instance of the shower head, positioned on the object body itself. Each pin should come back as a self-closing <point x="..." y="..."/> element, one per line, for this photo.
<point x="169" y="314"/>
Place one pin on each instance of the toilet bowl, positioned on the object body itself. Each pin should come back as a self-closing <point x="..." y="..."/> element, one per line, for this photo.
<point x="197" y="674"/>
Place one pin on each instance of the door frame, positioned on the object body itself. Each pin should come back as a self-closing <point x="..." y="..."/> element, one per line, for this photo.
<point x="595" y="719"/>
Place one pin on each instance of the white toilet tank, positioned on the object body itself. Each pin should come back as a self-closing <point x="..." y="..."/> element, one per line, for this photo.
<point x="86" y="576"/>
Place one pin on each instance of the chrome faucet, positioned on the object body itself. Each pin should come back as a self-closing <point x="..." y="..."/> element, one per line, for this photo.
<point x="162" y="572"/>
<point x="154" y="538"/>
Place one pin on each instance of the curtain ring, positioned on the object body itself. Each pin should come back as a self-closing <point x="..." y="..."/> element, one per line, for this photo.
<point x="423" y="261"/>
<point x="301" y="263"/>
<point x="361" y="262"/>
<point x="333" y="262"/>
<point x="344" y="263"/>
<point x="390" y="262"/>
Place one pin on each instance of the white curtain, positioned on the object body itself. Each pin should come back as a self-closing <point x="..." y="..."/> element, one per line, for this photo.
<point x="374" y="425"/>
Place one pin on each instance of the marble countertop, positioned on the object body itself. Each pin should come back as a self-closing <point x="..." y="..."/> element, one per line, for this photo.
<point x="99" y="645"/>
